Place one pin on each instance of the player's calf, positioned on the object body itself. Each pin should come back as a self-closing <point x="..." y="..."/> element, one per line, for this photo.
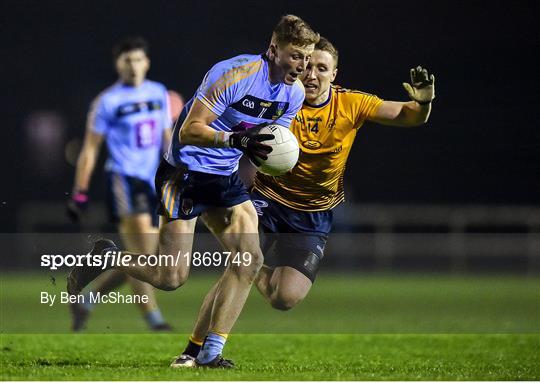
<point x="249" y="268"/>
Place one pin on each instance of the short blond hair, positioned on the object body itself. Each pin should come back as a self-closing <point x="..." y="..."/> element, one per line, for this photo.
<point x="292" y="29"/>
<point x="325" y="45"/>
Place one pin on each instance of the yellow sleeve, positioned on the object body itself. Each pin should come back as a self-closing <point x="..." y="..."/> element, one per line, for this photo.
<point x="365" y="106"/>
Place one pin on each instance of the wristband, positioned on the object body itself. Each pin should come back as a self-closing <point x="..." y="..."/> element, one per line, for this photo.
<point x="221" y="139"/>
<point x="424" y="102"/>
<point x="80" y="197"/>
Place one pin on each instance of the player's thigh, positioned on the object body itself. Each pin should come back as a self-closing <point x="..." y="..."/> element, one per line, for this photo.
<point x="176" y="235"/>
<point x="290" y="286"/>
<point x="302" y="252"/>
<point x="138" y="233"/>
<point x="235" y="227"/>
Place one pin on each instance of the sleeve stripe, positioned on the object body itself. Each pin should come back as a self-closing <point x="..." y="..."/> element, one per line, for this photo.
<point x="226" y="81"/>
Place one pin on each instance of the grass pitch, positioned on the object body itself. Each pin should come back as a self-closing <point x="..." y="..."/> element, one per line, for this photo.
<point x="276" y="357"/>
<point x="351" y="327"/>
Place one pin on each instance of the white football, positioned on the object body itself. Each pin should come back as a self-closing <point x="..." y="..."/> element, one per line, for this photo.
<point x="284" y="154"/>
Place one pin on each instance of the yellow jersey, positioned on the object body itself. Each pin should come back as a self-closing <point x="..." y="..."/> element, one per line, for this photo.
<point x="325" y="134"/>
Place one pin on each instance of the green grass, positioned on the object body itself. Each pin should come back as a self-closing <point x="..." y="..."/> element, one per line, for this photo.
<point x="273" y="357"/>
<point x="351" y="327"/>
<point x="352" y="303"/>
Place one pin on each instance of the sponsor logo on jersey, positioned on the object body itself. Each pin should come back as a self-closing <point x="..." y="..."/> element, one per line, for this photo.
<point x="259" y="205"/>
<point x="311" y="144"/>
<point x="138" y="107"/>
<point x="255" y="107"/>
<point x="339" y="149"/>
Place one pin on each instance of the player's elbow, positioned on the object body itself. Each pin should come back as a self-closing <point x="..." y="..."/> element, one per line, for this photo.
<point x="418" y="122"/>
<point x="190" y="133"/>
<point x="183" y="135"/>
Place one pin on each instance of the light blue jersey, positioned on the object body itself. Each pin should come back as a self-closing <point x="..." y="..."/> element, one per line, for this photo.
<point x="132" y="120"/>
<point x="239" y="92"/>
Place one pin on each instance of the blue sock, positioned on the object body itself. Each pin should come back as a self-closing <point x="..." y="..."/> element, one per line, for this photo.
<point x="154" y="318"/>
<point x="212" y="347"/>
<point x="87" y="304"/>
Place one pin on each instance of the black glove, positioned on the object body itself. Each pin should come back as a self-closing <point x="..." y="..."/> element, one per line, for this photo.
<point x="249" y="141"/>
<point x="76" y="205"/>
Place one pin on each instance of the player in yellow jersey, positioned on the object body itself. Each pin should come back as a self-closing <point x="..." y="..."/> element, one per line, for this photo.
<point x="295" y="210"/>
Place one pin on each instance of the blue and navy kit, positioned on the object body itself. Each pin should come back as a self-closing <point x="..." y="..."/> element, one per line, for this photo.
<point x="291" y="237"/>
<point x="239" y="92"/>
<point x="132" y="121"/>
<point x="192" y="178"/>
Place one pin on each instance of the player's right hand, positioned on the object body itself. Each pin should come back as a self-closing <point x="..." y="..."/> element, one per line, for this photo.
<point x="76" y="205"/>
<point x="249" y="141"/>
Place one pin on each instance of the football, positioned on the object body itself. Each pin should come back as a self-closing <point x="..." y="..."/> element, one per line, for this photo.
<point x="284" y="154"/>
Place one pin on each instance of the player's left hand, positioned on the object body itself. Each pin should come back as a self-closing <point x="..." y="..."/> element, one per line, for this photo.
<point x="250" y="141"/>
<point x="76" y="205"/>
<point x="422" y="86"/>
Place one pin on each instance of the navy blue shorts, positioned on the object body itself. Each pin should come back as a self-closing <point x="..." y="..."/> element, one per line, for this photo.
<point x="130" y="195"/>
<point x="292" y="237"/>
<point x="187" y="194"/>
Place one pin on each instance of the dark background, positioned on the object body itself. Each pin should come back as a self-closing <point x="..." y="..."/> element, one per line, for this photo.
<point x="481" y="145"/>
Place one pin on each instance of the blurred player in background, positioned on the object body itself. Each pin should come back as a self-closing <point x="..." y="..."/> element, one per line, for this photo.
<point x="133" y="117"/>
<point x="198" y="177"/>
<point x="295" y="210"/>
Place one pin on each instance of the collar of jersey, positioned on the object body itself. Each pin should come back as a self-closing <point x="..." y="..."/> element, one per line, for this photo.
<point x="124" y="85"/>
<point x="323" y="104"/>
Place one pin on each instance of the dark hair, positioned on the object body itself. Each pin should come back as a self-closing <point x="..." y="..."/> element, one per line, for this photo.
<point x="325" y="45"/>
<point x="292" y="29"/>
<point x="130" y="44"/>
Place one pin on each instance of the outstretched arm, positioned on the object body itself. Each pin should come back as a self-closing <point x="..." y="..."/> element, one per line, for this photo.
<point x="87" y="160"/>
<point x="412" y="113"/>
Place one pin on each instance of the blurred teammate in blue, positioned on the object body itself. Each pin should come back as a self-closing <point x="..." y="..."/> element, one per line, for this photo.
<point x="198" y="176"/>
<point x="133" y="118"/>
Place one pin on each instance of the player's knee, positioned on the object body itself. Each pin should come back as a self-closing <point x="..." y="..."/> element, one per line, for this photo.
<point x="171" y="280"/>
<point x="285" y="302"/>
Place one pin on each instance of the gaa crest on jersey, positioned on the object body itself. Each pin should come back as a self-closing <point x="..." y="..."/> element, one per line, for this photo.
<point x="281" y="108"/>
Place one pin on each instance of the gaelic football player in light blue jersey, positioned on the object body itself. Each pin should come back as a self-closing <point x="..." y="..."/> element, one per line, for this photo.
<point x="199" y="174"/>
<point x="132" y="117"/>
